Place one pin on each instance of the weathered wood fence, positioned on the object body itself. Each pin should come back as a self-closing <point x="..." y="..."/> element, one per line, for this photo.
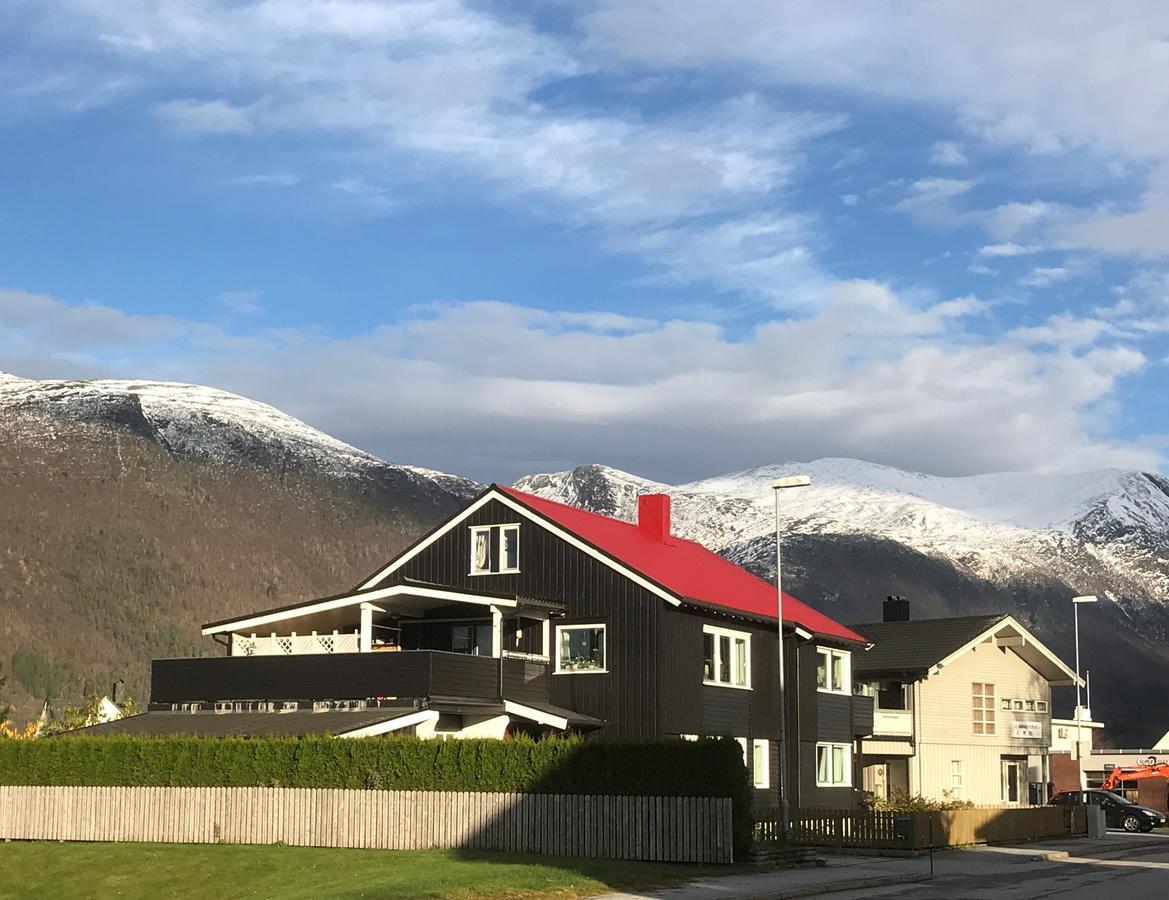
<point x="669" y="829"/>
<point x="922" y="830"/>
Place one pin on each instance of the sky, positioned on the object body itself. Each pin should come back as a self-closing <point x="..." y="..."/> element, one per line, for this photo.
<point x="679" y="238"/>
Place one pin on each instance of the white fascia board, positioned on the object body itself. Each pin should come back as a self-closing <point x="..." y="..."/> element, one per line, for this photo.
<point x="362" y="599"/>
<point x="543" y="718"/>
<point x="407" y="721"/>
<point x="1030" y="640"/>
<point x="531" y="516"/>
<point x="411" y="552"/>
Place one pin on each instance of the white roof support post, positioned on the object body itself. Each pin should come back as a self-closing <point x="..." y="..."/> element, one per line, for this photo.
<point x="496" y="632"/>
<point x="365" y="642"/>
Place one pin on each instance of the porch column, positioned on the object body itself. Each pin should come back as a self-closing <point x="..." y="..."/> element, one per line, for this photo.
<point x="496" y="632"/>
<point x="365" y="642"/>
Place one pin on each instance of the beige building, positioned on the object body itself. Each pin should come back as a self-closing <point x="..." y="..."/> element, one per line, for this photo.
<point x="963" y="707"/>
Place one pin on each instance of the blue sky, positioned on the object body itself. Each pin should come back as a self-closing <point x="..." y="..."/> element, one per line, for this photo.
<point x="674" y="237"/>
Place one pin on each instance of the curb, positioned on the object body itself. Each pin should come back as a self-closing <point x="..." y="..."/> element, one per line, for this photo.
<point x="835" y="887"/>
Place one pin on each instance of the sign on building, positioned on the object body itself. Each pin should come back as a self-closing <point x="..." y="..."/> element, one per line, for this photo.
<point x="1027" y="730"/>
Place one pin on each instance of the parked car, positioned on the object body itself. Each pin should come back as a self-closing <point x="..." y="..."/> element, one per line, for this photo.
<point x="1118" y="812"/>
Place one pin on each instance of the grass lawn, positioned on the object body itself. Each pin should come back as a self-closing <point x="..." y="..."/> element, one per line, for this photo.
<point x="222" y="872"/>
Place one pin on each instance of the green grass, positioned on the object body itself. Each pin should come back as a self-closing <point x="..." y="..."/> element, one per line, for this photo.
<point x="223" y="872"/>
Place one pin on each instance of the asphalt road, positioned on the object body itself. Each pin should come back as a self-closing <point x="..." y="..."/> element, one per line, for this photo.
<point x="1015" y="874"/>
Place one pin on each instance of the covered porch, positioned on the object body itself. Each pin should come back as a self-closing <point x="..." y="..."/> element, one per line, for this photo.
<point x="403" y="617"/>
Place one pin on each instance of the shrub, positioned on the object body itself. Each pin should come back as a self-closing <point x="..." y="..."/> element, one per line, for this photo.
<point x="900" y="800"/>
<point x="712" y="768"/>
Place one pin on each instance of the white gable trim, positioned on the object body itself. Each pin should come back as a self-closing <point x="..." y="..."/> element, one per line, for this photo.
<point x="536" y="715"/>
<point x="363" y="598"/>
<point x="989" y="635"/>
<point x="438" y="532"/>
<point x="566" y="536"/>
<point x="407" y="721"/>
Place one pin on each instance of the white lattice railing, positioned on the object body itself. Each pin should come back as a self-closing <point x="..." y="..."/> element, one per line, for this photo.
<point x="295" y="644"/>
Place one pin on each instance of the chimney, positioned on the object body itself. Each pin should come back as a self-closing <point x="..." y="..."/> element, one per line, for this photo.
<point x="653" y="516"/>
<point x="895" y="609"/>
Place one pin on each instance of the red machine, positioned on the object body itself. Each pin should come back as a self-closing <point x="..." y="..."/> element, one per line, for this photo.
<point x="1121" y="774"/>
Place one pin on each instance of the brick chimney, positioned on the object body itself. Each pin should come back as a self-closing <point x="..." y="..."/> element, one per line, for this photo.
<point x="653" y="516"/>
<point x="895" y="609"/>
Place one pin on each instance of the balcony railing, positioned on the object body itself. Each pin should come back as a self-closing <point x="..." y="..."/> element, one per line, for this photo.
<point x="295" y="644"/>
<point x="346" y="676"/>
<point x="892" y="723"/>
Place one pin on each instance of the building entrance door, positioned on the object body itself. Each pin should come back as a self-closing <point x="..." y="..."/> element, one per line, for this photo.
<point x="1014" y="777"/>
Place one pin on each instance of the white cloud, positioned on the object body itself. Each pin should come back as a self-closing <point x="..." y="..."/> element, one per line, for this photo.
<point x="199" y="117"/>
<point x="931" y="201"/>
<point x="443" y="90"/>
<point x="948" y="154"/>
<point x="1046" y="276"/>
<point x="268" y="179"/>
<point x="246" y="302"/>
<point x="1008" y="249"/>
<point x="868" y="374"/>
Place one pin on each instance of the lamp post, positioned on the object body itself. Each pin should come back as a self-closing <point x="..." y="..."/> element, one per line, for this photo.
<point x="790" y="481"/>
<point x="1076" y="601"/>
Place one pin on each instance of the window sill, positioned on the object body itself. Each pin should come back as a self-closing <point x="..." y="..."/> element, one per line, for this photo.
<point x="581" y="672"/>
<point x="723" y="684"/>
<point x="825" y="784"/>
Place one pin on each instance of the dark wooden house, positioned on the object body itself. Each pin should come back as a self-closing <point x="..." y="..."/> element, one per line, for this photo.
<point x="522" y="614"/>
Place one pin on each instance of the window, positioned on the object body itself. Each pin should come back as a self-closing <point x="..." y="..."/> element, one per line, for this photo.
<point x="957" y="783"/>
<point x="1018" y="706"/>
<point x="495" y="549"/>
<point x="891" y="696"/>
<point x="580" y="648"/>
<point x="983" y="707"/>
<point x="480" y="550"/>
<point x="510" y="548"/>
<point x="1041" y="706"/>
<point x="1005" y="704"/>
<point x="525" y="636"/>
<point x="832" y="671"/>
<point x="1062" y="733"/>
<point x="726" y="657"/>
<point x="473" y="639"/>
<point x="760" y="764"/>
<point x="833" y="767"/>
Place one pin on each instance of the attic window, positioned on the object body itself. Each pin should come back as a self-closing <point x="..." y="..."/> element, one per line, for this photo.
<point x="495" y="549"/>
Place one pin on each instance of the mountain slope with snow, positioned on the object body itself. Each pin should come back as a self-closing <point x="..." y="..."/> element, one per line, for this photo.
<point x="215" y="427"/>
<point x="1109" y="526"/>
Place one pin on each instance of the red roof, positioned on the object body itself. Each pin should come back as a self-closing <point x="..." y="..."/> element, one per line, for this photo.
<point x="683" y="567"/>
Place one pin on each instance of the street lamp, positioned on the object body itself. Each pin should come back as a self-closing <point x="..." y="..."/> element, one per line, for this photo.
<point x="1076" y="601"/>
<point x="789" y="481"/>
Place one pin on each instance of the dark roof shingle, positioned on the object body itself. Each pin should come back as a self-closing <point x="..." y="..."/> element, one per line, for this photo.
<point x="912" y="647"/>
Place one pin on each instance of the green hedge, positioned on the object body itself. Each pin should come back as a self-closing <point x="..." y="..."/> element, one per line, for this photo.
<point x="709" y="768"/>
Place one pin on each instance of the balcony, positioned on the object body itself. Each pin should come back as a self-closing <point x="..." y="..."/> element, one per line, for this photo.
<point x="411" y="674"/>
<point x="892" y="723"/>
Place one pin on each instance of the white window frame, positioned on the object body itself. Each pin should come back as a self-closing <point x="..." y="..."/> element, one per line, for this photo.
<point x="503" y="569"/>
<point x="717" y="632"/>
<point x="604" y="649"/>
<point x="989" y="720"/>
<point x="957" y="779"/>
<point x="831" y="652"/>
<point x="831" y="748"/>
<point x="761" y="774"/>
<point x="1041" y="706"/>
<point x="476" y="530"/>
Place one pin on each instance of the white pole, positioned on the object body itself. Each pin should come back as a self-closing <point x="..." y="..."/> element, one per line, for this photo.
<point x="789" y="481"/>
<point x="784" y="807"/>
<point x="1079" y="715"/>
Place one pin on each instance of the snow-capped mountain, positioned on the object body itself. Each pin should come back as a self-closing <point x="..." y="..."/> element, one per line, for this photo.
<point x="203" y="424"/>
<point x="1109" y="527"/>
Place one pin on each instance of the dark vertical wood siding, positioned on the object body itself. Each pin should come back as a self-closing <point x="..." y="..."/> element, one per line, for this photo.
<point x="626" y="697"/>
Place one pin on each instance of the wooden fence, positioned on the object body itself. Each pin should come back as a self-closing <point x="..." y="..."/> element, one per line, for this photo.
<point x="922" y="830"/>
<point x="669" y="829"/>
